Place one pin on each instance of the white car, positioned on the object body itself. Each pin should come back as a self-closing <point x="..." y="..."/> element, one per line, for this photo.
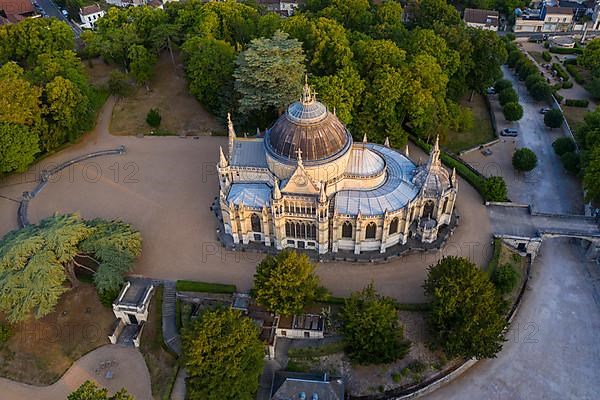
<point x="65" y="13"/>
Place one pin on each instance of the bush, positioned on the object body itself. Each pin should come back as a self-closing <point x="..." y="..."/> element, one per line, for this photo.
<point x="546" y="45"/>
<point x="528" y="68"/>
<point x="594" y="88"/>
<point x="532" y="80"/>
<point x="563" y="145"/>
<point x="546" y="56"/>
<point x="4" y="334"/>
<point x="577" y="102"/>
<point x="502" y="84"/>
<point x="560" y="71"/>
<point x="494" y="189"/>
<point x="508" y="95"/>
<point x="558" y="97"/>
<point x="563" y="50"/>
<point x="118" y="84"/>
<point x="514" y="57"/>
<point x="510" y="36"/>
<point x="553" y="118"/>
<point x="574" y="71"/>
<point x="571" y="162"/>
<point x="204" y="287"/>
<point x="505" y="278"/>
<point x="540" y="91"/>
<point x="512" y="111"/>
<point x="108" y="296"/>
<point x="524" y="159"/>
<point x="567" y="85"/>
<point x="153" y="118"/>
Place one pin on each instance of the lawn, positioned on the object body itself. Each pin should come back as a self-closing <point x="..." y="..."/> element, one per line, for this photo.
<point x="505" y="255"/>
<point x="180" y="111"/>
<point x="40" y="351"/>
<point x="574" y="115"/>
<point x="537" y="56"/>
<point x="481" y="132"/>
<point x="204" y="287"/>
<point x="161" y="364"/>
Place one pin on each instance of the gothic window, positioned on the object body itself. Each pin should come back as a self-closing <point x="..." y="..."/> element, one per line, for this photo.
<point x="445" y="208"/>
<point x="255" y="221"/>
<point x="313" y="231"/>
<point x="394" y="226"/>
<point x="428" y="209"/>
<point x="347" y="230"/>
<point x="288" y="230"/>
<point x="370" y="231"/>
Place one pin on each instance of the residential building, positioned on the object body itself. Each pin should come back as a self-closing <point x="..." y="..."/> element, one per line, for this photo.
<point x="282" y="7"/>
<point x="545" y="19"/>
<point x="89" y="15"/>
<point x="13" y="11"/>
<point x="481" y="19"/>
<point x="301" y="386"/>
<point x="303" y="326"/>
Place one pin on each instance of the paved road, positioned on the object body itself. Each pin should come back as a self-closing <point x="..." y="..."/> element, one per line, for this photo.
<point x="53" y="11"/>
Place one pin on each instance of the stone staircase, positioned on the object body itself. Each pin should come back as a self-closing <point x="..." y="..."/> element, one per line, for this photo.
<point x="169" y="322"/>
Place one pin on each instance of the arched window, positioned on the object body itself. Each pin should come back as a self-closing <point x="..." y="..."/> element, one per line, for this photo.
<point x="288" y="230"/>
<point x="313" y="231"/>
<point x="347" y="230"/>
<point x="445" y="208"/>
<point x="255" y="221"/>
<point x="428" y="209"/>
<point x="393" y="226"/>
<point x="370" y="231"/>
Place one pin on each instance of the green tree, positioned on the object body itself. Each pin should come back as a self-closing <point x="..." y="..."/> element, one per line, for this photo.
<point x="505" y="278"/>
<point x="563" y="145"/>
<point x="118" y="84"/>
<point x="524" y="159"/>
<point x="502" y="84"/>
<point x="571" y="161"/>
<point x="286" y="283"/>
<point x="508" y="95"/>
<point x="18" y="147"/>
<point x="591" y="175"/>
<point x="489" y="53"/>
<point x="590" y="58"/>
<point x="153" y="118"/>
<point x="387" y="21"/>
<point x="371" y="330"/>
<point x="467" y="315"/>
<point x="553" y="118"/>
<point x="341" y="92"/>
<point x="35" y="261"/>
<point x="269" y="74"/>
<point x="428" y="13"/>
<point x="532" y="80"/>
<point x="222" y="346"/>
<point x="90" y="391"/>
<point x="540" y="91"/>
<point x="426" y="41"/>
<point x="141" y="64"/>
<point x="353" y="14"/>
<point x="494" y="189"/>
<point x="20" y="100"/>
<point x="512" y="111"/>
<point x="209" y="68"/>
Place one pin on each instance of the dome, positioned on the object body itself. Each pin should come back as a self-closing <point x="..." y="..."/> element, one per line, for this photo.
<point x="307" y="126"/>
<point x="432" y="181"/>
<point x="364" y="162"/>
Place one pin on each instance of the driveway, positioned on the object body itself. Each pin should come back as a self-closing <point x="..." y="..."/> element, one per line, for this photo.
<point x="127" y="367"/>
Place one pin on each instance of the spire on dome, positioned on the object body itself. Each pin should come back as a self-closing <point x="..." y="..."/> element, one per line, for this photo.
<point x="308" y="95"/>
<point x="276" y="191"/>
<point x="365" y="138"/>
<point x="322" y="195"/>
<point x="453" y="177"/>
<point x="434" y="157"/>
<point x="222" y="159"/>
<point x="406" y="152"/>
<point x="299" y="155"/>
<point x="230" y="126"/>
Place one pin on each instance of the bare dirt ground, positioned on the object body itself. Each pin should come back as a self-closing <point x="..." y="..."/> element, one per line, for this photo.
<point x="164" y="187"/>
<point x="97" y="71"/>
<point x="40" y="351"/>
<point x="180" y="111"/>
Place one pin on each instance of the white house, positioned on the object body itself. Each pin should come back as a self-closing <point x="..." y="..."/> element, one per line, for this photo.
<point x="481" y="19"/>
<point x="89" y="15"/>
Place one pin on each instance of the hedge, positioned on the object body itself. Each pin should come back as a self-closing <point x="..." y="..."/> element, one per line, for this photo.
<point x="560" y="71"/>
<point x="204" y="287"/>
<point x="577" y="102"/>
<point x="400" y="306"/>
<point x="572" y="69"/>
<point x="546" y="56"/>
<point x="562" y="50"/>
<point x="567" y="85"/>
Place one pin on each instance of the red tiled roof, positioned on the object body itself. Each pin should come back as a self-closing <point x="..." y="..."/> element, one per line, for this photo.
<point x="93" y="9"/>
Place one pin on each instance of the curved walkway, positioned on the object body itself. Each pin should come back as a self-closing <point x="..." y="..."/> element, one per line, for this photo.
<point x="126" y="365"/>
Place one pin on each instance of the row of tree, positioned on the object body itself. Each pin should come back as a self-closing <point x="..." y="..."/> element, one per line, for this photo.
<point x="46" y="100"/>
<point x="466" y="320"/>
<point x="509" y="100"/>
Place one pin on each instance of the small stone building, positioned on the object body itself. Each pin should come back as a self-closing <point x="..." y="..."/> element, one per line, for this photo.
<point x="131" y="311"/>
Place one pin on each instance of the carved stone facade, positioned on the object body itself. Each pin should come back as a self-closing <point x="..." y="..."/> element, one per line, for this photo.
<point x="344" y="196"/>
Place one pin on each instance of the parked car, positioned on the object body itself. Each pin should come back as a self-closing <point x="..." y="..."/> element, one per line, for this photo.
<point x="491" y="90"/>
<point x="509" y="132"/>
<point x="486" y="152"/>
<point x="65" y="13"/>
<point x="544" y="110"/>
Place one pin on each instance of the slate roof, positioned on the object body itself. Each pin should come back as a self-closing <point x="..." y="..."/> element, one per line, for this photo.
<point x="289" y="386"/>
<point x="249" y="153"/>
<point x="477" y="16"/>
<point x="255" y="195"/>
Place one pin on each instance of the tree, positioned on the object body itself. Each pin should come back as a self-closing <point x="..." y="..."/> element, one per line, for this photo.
<point x="540" y="91"/>
<point x="563" y="145"/>
<point x="467" y="314"/>
<point x="524" y="159"/>
<point x="508" y="95"/>
<point x="153" y="118"/>
<point x="353" y="14"/>
<point x="269" y="74"/>
<point x="532" y="80"/>
<point x="502" y="84"/>
<point x="512" y="111"/>
<point x="591" y="175"/>
<point x="553" y="118"/>
<point x="428" y="13"/>
<point x="90" y="391"/>
<point x="221" y="347"/>
<point x="286" y="283"/>
<point x="489" y="53"/>
<point x="505" y="278"/>
<point x="18" y="147"/>
<point x="590" y="58"/>
<point x="20" y="100"/>
<point x="118" y="84"/>
<point x="141" y="63"/>
<point x="341" y="92"/>
<point x="35" y="261"/>
<point x="570" y="161"/>
<point x="494" y="189"/>
<point x="372" y="333"/>
<point x="209" y="68"/>
<point x="387" y="22"/>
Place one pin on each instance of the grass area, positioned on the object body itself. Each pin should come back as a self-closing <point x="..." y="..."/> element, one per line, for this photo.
<point x="491" y="266"/>
<point x="520" y="263"/>
<point x="574" y="115"/>
<point x="204" y="287"/>
<point x="481" y="132"/>
<point x="180" y="111"/>
<point x="537" y="56"/>
<point x="162" y="365"/>
<point x="40" y="351"/>
<point x="401" y="306"/>
<point x="317" y="351"/>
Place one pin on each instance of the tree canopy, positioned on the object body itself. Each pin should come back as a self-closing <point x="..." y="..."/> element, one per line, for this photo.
<point x="286" y="283"/>
<point x="90" y="391"/>
<point x="524" y="159"/>
<point x="553" y="118"/>
<point x="371" y="330"/>
<point x="223" y="356"/>
<point x="35" y="261"/>
<point x="467" y="314"/>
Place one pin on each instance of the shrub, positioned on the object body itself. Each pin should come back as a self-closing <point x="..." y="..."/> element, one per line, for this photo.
<point x="508" y="95"/>
<point x="563" y="50"/>
<point x="577" y="102"/>
<point x="204" y="287"/>
<point x="524" y="159"/>
<point x="514" y="57"/>
<point x="532" y="80"/>
<point x="505" y="278"/>
<point x="528" y="68"/>
<point x="494" y="189"/>
<point x="553" y="118"/>
<point x="546" y="56"/>
<point x="571" y="162"/>
<point x="546" y="45"/>
<point x="540" y="91"/>
<point x="4" y="334"/>
<point x="512" y="111"/>
<point x="153" y="118"/>
<point x="510" y="36"/>
<point x="563" y="145"/>
<point x="560" y="71"/>
<point x="108" y="296"/>
<point x="567" y="85"/>
<point x="502" y="84"/>
<point x="594" y="87"/>
<point x="574" y="71"/>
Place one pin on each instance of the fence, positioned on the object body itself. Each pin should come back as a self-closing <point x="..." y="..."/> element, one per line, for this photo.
<point x="569" y="131"/>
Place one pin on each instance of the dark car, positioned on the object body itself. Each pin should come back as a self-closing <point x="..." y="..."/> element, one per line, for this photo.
<point x="509" y="132"/>
<point x="544" y="110"/>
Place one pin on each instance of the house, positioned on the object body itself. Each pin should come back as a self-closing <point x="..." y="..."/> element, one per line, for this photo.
<point x="13" y="11"/>
<point x="127" y="3"/>
<point x="131" y="311"/>
<point x="545" y="19"/>
<point x="301" y="386"/>
<point x="282" y="7"/>
<point x="303" y="326"/>
<point x="481" y="19"/>
<point x="89" y="15"/>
